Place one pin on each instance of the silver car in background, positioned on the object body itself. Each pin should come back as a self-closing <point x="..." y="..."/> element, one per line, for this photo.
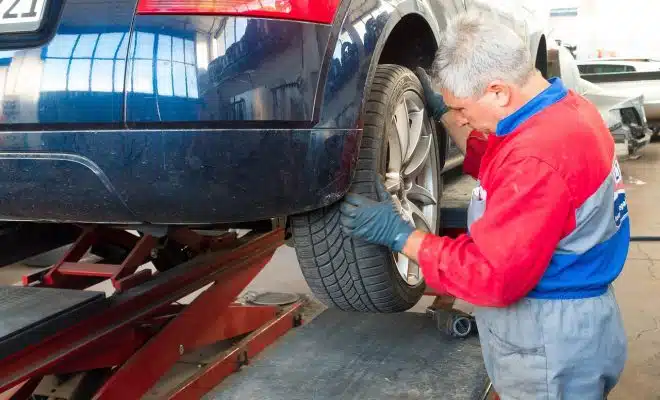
<point x="627" y="77"/>
<point x="624" y="113"/>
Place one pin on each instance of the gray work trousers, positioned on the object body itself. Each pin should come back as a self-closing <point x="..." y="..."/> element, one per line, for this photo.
<point x="553" y="349"/>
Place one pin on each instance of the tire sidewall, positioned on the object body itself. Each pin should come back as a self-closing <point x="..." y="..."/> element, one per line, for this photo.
<point x="345" y="272"/>
<point x="404" y="81"/>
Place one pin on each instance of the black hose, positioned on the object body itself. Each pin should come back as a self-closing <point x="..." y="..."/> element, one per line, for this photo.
<point x="645" y="238"/>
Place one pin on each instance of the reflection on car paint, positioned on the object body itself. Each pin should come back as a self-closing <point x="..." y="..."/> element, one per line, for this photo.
<point x="85" y="62"/>
<point x="203" y="71"/>
<point x="191" y="69"/>
<point x="236" y="69"/>
<point x="78" y="76"/>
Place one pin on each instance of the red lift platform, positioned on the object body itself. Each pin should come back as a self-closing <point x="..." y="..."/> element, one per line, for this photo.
<point x="129" y="340"/>
<point x="119" y="346"/>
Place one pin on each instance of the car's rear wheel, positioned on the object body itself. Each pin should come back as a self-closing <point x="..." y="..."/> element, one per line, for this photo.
<point x="400" y="146"/>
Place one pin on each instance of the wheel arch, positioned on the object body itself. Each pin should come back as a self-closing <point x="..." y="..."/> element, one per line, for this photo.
<point x="420" y="36"/>
<point x="394" y="24"/>
<point x="351" y="59"/>
<point x="419" y="53"/>
<point x="401" y="27"/>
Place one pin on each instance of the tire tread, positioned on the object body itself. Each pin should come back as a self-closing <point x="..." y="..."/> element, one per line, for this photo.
<point x="344" y="272"/>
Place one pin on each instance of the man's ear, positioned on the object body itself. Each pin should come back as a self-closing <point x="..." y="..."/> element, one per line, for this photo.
<point x="501" y="92"/>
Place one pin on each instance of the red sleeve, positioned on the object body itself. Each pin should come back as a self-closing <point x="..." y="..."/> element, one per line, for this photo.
<point x="528" y="211"/>
<point x="475" y="148"/>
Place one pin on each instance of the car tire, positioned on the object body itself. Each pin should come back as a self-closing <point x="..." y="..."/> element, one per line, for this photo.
<point x="351" y="274"/>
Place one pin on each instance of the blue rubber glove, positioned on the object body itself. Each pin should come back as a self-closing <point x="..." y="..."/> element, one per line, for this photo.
<point x="375" y="221"/>
<point x="434" y="101"/>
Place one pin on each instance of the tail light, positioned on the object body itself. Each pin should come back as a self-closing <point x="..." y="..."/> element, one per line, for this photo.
<point x="320" y="11"/>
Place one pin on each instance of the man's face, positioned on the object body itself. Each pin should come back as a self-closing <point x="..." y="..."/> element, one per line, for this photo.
<point x="481" y="112"/>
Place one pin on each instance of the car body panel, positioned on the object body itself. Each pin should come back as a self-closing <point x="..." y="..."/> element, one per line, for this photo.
<point x="204" y="68"/>
<point x="627" y="76"/>
<point x="647" y="83"/>
<point x="180" y="155"/>
<point x="217" y="119"/>
<point x="357" y="49"/>
<point x="623" y="113"/>
<point x="172" y="176"/>
<point x="75" y="78"/>
<point x="631" y="132"/>
<point x="607" y="100"/>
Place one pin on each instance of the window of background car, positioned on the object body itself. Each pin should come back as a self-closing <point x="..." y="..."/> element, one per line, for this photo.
<point x="605" y="68"/>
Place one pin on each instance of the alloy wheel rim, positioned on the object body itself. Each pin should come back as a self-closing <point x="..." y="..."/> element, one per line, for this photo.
<point x="411" y="176"/>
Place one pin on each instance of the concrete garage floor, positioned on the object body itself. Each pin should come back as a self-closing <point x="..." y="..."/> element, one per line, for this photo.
<point x="638" y="288"/>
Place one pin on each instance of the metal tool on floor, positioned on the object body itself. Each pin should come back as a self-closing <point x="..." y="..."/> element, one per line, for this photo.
<point x="454" y="323"/>
<point x="450" y="321"/>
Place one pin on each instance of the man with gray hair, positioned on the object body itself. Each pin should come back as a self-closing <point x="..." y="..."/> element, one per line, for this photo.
<point x="548" y="226"/>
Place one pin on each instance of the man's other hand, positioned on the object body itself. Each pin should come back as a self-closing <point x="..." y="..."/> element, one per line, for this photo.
<point x="435" y="103"/>
<point x="375" y="221"/>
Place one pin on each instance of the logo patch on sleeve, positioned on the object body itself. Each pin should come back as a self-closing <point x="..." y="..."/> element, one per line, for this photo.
<point x="620" y="208"/>
<point x="620" y="203"/>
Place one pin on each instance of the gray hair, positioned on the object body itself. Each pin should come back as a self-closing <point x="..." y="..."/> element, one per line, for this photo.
<point x="474" y="51"/>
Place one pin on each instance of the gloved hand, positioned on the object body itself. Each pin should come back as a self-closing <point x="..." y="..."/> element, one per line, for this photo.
<point x="436" y="104"/>
<point x="375" y="221"/>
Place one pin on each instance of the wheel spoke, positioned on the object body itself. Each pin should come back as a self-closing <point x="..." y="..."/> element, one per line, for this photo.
<point x="408" y="269"/>
<point x="415" y="132"/>
<point x="398" y="206"/>
<point x="419" y="157"/>
<point x="402" y="128"/>
<point x="413" y="271"/>
<point x="410" y="175"/>
<point x="422" y="195"/>
<point x="403" y="265"/>
<point x="419" y="218"/>
<point x="392" y="182"/>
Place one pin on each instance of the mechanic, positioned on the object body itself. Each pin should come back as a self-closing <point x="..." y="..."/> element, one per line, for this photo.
<point x="548" y="226"/>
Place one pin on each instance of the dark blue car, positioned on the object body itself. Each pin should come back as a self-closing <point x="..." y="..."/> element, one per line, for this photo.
<point x="228" y="113"/>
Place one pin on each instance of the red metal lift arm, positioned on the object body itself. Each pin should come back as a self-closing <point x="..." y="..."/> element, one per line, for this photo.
<point x="142" y="331"/>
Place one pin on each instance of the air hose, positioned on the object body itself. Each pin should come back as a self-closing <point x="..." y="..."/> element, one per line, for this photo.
<point x="645" y="238"/>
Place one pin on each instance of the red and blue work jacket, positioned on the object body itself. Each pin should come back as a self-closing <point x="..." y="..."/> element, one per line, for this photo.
<point x="549" y="217"/>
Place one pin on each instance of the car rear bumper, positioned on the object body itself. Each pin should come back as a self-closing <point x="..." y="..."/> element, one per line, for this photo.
<point x="172" y="176"/>
<point x="626" y="143"/>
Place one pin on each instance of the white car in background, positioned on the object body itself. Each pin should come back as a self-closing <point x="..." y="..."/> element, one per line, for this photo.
<point x="623" y="112"/>
<point x="615" y="65"/>
<point x="627" y="77"/>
